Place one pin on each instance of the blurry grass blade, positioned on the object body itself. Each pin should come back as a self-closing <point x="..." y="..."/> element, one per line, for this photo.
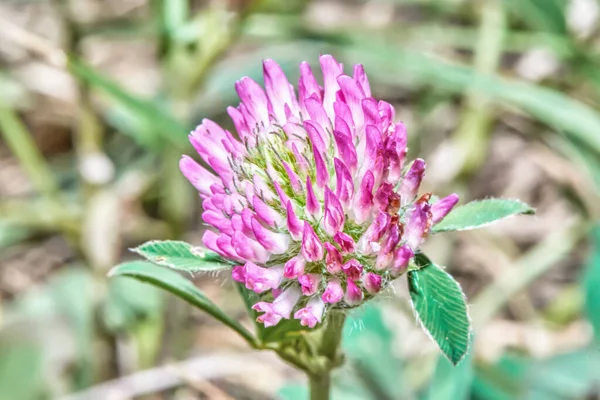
<point x="451" y="382"/>
<point x="172" y="282"/>
<point x="181" y="255"/>
<point x="591" y="283"/>
<point x="547" y="15"/>
<point x="529" y="267"/>
<point x="440" y="306"/>
<point x="165" y="127"/>
<point x="173" y="15"/>
<point x="41" y="214"/>
<point x="480" y="213"/>
<point x="549" y="106"/>
<point x="22" y="145"/>
<point x="476" y="117"/>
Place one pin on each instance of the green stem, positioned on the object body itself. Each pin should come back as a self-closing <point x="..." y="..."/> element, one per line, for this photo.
<point x="320" y="381"/>
<point x="320" y="386"/>
<point x="332" y="336"/>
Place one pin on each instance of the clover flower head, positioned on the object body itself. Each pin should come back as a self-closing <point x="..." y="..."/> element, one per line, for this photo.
<point x="312" y="197"/>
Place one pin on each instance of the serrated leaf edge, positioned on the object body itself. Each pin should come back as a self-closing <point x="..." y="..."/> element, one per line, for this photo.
<point x="530" y="211"/>
<point x="201" y="253"/>
<point x="470" y="330"/>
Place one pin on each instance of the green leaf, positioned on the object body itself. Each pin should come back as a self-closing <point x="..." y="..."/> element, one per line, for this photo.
<point x="181" y="255"/>
<point x="591" y="284"/>
<point x="440" y="305"/>
<point x="479" y="213"/>
<point x="179" y="286"/>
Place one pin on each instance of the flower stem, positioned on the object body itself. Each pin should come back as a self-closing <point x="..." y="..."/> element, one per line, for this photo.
<point x="320" y="386"/>
<point x="320" y="382"/>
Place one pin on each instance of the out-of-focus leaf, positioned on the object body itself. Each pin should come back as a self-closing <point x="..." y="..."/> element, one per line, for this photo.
<point x="441" y="307"/>
<point x="11" y="234"/>
<point x="503" y="381"/>
<point x="180" y="255"/>
<point x="368" y="346"/>
<point x="451" y="382"/>
<point x="477" y="214"/>
<point x="549" y="106"/>
<point x="173" y="282"/>
<point x="128" y="302"/>
<point x="21" y="369"/>
<point x="566" y="376"/>
<point x="572" y="375"/>
<point x="161" y="126"/>
<point x="591" y="284"/>
<point x="73" y="290"/>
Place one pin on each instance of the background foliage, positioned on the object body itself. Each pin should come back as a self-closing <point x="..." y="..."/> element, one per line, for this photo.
<point x="502" y="98"/>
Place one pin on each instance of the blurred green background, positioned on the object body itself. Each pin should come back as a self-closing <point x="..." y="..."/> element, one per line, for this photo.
<point x="502" y="98"/>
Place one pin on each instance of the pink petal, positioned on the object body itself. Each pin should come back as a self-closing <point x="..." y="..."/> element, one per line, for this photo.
<point x="294" y="267"/>
<point x="344" y="186"/>
<point x="309" y="283"/>
<point x="279" y="90"/>
<point x="312" y="249"/>
<point x="266" y="213"/>
<point x="411" y="182"/>
<point x="333" y="220"/>
<point x="440" y="209"/>
<point x="313" y="207"/>
<point x="331" y="70"/>
<point x="311" y="314"/>
<point x="353" y="295"/>
<point x="402" y="257"/>
<point x="345" y="242"/>
<point x="255" y="100"/>
<point x="333" y="292"/>
<point x="333" y="259"/>
<point x="372" y="282"/>
<point x="363" y="200"/>
<point x="353" y="269"/>
<point x="198" y="175"/>
<point x="276" y="243"/>
<point x="360" y="77"/>
<point x="321" y="168"/>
